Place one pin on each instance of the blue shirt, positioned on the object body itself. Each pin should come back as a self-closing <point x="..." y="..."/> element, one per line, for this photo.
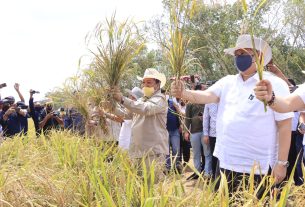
<point x="172" y="119"/>
<point x="24" y="123"/>
<point x="50" y="124"/>
<point x="12" y="125"/>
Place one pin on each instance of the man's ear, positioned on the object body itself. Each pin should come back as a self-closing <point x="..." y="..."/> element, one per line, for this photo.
<point x="158" y="86"/>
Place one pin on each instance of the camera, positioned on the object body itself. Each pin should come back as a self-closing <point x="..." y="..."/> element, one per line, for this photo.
<point x="3" y="85"/>
<point x="17" y="109"/>
<point x="33" y="92"/>
<point x="55" y="113"/>
<point x="24" y="107"/>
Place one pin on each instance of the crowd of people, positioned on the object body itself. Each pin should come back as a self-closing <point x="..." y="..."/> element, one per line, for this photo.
<point x="14" y="116"/>
<point x="224" y="121"/>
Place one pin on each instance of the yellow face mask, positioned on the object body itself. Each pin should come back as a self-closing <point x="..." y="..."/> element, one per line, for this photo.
<point x="148" y="91"/>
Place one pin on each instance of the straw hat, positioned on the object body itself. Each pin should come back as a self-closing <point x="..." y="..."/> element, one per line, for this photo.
<point x="244" y="41"/>
<point x="153" y="73"/>
<point x="136" y="92"/>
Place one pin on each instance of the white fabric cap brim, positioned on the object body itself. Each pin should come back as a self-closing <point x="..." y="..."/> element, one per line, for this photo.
<point x="267" y="52"/>
<point x="161" y="77"/>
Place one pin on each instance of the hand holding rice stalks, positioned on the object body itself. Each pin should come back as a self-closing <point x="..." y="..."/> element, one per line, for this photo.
<point x="259" y="58"/>
<point x="118" y="43"/>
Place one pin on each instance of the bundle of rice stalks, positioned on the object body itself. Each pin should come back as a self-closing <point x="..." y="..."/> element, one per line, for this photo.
<point x="79" y="93"/>
<point x="73" y="94"/>
<point x="118" y="43"/>
<point x="259" y="58"/>
<point x="176" y="49"/>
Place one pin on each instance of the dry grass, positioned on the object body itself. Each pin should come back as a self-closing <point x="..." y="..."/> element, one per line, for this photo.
<point x="67" y="170"/>
<point x="117" y="44"/>
<point x="177" y="49"/>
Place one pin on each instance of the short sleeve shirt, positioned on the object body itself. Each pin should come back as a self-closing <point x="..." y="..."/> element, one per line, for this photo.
<point x="301" y="92"/>
<point x="246" y="134"/>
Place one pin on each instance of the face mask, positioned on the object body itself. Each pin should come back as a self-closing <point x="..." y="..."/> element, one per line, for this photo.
<point x="38" y="108"/>
<point x="49" y="108"/>
<point x="148" y="91"/>
<point x="243" y="62"/>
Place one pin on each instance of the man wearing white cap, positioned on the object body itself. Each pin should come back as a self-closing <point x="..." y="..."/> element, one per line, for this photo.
<point x="247" y="136"/>
<point x="149" y="136"/>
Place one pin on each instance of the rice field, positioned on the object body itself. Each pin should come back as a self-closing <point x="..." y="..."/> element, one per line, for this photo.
<point x="66" y="170"/>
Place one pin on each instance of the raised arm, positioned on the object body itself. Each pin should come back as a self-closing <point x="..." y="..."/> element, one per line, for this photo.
<point x="31" y="104"/>
<point x="16" y="86"/>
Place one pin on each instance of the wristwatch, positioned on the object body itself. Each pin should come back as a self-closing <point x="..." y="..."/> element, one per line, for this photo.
<point x="284" y="163"/>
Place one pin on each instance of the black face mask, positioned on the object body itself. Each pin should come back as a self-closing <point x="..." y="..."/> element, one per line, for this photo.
<point x="49" y="108"/>
<point x="38" y="108"/>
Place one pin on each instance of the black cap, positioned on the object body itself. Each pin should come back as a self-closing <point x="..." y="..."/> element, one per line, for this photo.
<point x="11" y="99"/>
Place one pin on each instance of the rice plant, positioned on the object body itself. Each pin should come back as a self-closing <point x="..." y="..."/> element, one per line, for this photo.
<point x="68" y="170"/>
<point x="117" y="44"/>
<point x="176" y="49"/>
<point x="259" y="58"/>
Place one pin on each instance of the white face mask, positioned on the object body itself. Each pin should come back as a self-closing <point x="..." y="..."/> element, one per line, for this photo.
<point x="148" y="91"/>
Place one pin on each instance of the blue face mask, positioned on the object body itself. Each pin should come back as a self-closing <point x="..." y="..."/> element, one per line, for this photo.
<point x="243" y="62"/>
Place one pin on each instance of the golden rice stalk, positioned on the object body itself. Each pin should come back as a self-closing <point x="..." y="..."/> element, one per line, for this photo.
<point x="73" y="94"/>
<point x="258" y="58"/>
<point x="117" y="44"/>
<point x="176" y="49"/>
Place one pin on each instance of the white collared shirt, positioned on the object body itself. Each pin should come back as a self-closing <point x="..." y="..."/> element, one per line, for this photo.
<point x="246" y="134"/>
<point x="301" y="92"/>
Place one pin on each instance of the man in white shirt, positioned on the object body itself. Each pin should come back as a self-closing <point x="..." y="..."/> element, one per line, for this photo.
<point x="246" y="135"/>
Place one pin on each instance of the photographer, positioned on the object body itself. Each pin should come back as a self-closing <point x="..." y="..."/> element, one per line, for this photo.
<point x="35" y="111"/>
<point x="23" y="119"/>
<point x="49" y="119"/>
<point x="74" y="121"/>
<point x="10" y="117"/>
